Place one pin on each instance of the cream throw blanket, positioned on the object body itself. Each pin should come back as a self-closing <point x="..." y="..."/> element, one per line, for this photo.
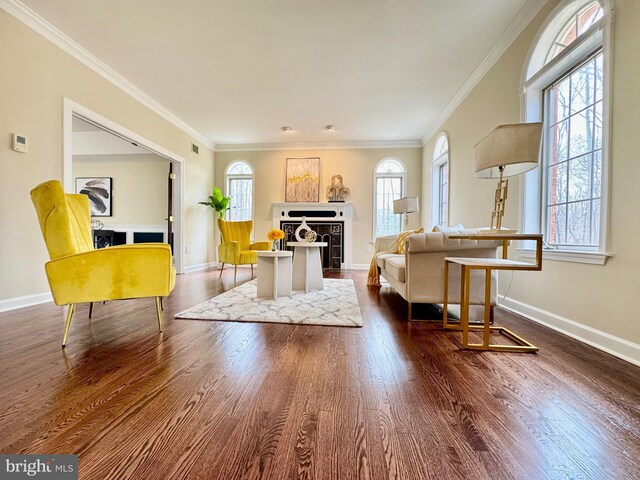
<point x="383" y="245"/>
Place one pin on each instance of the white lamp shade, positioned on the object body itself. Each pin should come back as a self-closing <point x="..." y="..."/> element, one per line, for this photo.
<point x="405" y="205"/>
<point x="516" y="147"/>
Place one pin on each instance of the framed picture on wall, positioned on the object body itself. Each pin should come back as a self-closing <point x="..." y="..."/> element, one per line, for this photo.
<point x="303" y="180"/>
<point x="98" y="189"/>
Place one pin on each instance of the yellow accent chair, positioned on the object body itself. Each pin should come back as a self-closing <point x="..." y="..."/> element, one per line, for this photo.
<point x="77" y="273"/>
<point x="236" y="247"/>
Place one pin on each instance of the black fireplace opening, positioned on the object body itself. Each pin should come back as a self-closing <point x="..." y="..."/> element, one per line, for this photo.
<point x="330" y="232"/>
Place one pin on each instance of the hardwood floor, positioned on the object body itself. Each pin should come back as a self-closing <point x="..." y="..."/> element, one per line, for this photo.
<point x="243" y="400"/>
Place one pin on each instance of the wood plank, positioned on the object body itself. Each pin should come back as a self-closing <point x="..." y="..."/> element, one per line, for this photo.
<point x="237" y="400"/>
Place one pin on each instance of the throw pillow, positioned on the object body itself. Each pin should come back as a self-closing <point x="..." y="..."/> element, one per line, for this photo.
<point x="402" y="239"/>
<point x="444" y="228"/>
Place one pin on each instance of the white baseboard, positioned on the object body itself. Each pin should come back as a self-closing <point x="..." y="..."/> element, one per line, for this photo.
<point x="27" y="301"/>
<point x="359" y="266"/>
<point x="200" y="266"/>
<point x="616" y="346"/>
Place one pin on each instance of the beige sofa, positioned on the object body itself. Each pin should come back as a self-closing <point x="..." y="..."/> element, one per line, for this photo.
<point x="418" y="275"/>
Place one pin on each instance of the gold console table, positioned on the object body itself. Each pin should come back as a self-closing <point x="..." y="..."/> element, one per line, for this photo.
<point x="488" y="265"/>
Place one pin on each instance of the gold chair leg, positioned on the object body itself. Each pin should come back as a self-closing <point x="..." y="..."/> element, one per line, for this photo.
<point x="159" y="312"/>
<point x="72" y="307"/>
<point x="221" y="269"/>
<point x="252" y="271"/>
<point x="90" y="309"/>
<point x="235" y="273"/>
<point x="162" y="303"/>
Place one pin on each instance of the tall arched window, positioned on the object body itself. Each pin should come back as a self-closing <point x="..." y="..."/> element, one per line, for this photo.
<point x="565" y="86"/>
<point x="239" y="184"/>
<point x="440" y="182"/>
<point x="388" y="185"/>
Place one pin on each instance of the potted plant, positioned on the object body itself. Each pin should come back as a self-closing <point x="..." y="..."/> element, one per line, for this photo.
<point x="218" y="202"/>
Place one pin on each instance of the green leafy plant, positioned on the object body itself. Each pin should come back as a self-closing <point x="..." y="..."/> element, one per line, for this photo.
<point x="218" y="202"/>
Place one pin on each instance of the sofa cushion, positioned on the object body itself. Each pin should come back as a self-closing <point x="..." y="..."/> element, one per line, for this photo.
<point x="395" y="266"/>
<point x="380" y="259"/>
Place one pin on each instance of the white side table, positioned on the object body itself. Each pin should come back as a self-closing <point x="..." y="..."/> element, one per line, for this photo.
<point x="274" y="274"/>
<point x="307" y="266"/>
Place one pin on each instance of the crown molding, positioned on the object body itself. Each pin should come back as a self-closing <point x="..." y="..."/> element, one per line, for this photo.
<point x="516" y="27"/>
<point x="34" y="21"/>
<point x="252" y="147"/>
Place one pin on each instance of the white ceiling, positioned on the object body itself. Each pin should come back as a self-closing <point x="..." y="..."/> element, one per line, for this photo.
<point x="238" y="70"/>
<point x="91" y="140"/>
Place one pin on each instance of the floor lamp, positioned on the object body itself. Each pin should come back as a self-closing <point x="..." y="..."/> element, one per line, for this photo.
<point x="507" y="151"/>
<point x="405" y="205"/>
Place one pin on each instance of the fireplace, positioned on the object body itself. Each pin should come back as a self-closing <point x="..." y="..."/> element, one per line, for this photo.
<point x="331" y="221"/>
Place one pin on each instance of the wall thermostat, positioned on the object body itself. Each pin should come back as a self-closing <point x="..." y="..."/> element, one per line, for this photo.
<point x="19" y="143"/>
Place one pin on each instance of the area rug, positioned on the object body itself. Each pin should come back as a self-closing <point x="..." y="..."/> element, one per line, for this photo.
<point x="336" y="305"/>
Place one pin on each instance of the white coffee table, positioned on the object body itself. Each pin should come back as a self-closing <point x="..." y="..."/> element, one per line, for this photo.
<point x="274" y="274"/>
<point x="307" y="266"/>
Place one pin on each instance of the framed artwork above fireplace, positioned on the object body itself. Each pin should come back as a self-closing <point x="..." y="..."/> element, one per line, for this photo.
<point x="303" y="180"/>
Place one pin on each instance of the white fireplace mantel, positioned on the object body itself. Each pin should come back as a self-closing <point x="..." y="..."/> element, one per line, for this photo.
<point x="335" y="212"/>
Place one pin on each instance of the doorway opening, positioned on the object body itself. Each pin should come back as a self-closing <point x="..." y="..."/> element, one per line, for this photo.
<point x="144" y="180"/>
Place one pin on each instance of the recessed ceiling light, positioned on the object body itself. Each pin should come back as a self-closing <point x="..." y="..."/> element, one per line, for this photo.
<point x="286" y="129"/>
<point x="330" y="128"/>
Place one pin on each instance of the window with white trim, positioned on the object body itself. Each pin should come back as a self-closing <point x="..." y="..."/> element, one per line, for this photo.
<point x="572" y="176"/>
<point x="388" y="185"/>
<point x="565" y="88"/>
<point x="440" y="182"/>
<point x="239" y="185"/>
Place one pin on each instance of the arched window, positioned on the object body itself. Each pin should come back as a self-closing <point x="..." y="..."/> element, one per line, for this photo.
<point x="239" y="184"/>
<point x="565" y="88"/>
<point x="440" y="182"/>
<point x="388" y="185"/>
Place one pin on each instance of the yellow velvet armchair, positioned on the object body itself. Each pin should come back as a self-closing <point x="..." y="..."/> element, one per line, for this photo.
<point x="236" y="247"/>
<point x="77" y="273"/>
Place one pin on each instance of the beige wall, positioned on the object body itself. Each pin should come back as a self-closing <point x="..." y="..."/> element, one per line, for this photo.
<point x="35" y="77"/>
<point x="356" y="167"/>
<point x="597" y="296"/>
<point x="139" y="186"/>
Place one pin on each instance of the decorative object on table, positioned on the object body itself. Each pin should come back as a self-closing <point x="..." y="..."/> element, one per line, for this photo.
<point x="303" y="227"/>
<point x="310" y="236"/>
<point x="98" y="189"/>
<point x="96" y="224"/>
<point x="405" y="206"/>
<point x="275" y="236"/>
<point x="336" y="305"/>
<point x="303" y="180"/>
<point x="337" y="192"/>
<point x="218" y="202"/>
<point x="507" y="151"/>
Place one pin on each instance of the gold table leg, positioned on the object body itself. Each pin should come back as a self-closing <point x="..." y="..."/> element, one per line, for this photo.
<point x="522" y="345"/>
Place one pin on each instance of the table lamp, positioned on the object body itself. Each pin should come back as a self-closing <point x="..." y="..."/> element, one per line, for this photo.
<point x="405" y="205"/>
<point x="507" y="151"/>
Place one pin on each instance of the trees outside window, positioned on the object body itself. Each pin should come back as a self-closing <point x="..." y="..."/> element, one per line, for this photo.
<point x="388" y="185"/>
<point x="565" y="86"/>
<point x="239" y="184"/>
<point x="573" y="156"/>
<point x="440" y="182"/>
